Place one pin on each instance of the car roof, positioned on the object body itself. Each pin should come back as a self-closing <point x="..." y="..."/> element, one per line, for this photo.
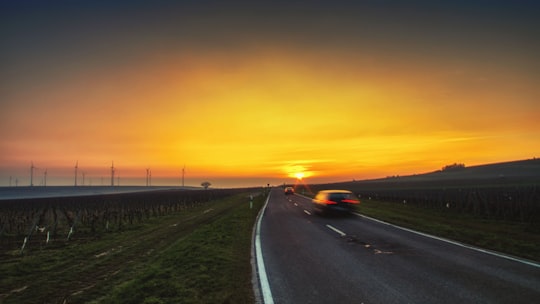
<point x="335" y="191"/>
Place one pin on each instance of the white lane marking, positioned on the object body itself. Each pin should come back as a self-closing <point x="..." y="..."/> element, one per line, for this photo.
<point x="263" y="278"/>
<point x="336" y="230"/>
<point x="307" y="212"/>
<point x="296" y="204"/>
<point x="497" y="254"/>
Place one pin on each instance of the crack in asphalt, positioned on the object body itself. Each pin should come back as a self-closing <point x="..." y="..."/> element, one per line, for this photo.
<point x="352" y="239"/>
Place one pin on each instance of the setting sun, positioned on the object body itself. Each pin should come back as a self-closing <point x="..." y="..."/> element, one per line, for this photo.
<point x="299" y="175"/>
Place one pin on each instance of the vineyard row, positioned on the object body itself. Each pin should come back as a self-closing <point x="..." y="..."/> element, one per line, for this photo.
<point x="513" y="203"/>
<point x="59" y="218"/>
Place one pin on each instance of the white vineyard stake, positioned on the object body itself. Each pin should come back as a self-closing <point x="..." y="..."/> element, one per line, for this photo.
<point x="24" y="244"/>
<point x="70" y="232"/>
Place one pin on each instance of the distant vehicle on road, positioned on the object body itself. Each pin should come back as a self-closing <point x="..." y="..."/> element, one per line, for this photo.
<point x="289" y="190"/>
<point x="334" y="201"/>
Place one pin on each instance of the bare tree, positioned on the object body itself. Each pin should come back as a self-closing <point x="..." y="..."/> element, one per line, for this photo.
<point x="206" y="185"/>
<point x="453" y="167"/>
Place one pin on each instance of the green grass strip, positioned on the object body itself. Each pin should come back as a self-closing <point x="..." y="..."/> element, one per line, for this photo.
<point x="514" y="238"/>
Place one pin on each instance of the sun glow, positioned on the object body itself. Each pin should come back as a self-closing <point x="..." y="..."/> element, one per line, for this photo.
<point x="299" y="175"/>
<point x="299" y="169"/>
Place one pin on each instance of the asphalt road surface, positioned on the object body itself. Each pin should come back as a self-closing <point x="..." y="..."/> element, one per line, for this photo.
<point x="313" y="259"/>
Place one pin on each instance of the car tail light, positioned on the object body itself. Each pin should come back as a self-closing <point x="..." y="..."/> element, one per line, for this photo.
<point x="350" y="201"/>
<point x="329" y="202"/>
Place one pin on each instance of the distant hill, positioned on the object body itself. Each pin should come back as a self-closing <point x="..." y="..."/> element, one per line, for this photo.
<point x="506" y="173"/>
<point x="529" y="168"/>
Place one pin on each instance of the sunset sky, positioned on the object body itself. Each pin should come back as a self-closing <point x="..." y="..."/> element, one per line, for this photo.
<point x="254" y="92"/>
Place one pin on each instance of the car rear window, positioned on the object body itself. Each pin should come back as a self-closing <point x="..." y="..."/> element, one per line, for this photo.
<point x="339" y="196"/>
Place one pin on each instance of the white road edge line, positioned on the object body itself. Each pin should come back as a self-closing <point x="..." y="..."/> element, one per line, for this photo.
<point x="336" y="230"/>
<point x="263" y="278"/>
<point x="307" y="212"/>
<point x="504" y="256"/>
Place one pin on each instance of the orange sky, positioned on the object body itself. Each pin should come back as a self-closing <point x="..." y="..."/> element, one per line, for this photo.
<point x="264" y="107"/>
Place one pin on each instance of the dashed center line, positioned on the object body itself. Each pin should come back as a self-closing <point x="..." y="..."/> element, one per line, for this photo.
<point x="336" y="230"/>
<point x="307" y="212"/>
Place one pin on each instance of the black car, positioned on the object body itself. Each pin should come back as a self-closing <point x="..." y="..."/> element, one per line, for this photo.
<point x="334" y="201"/>
<point x="289" y="190"/>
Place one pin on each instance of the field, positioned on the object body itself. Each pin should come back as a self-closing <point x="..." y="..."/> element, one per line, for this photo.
<point x="198" y="253"/>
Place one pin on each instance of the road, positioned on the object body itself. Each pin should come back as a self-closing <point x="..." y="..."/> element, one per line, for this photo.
<point x="312" y="259"/>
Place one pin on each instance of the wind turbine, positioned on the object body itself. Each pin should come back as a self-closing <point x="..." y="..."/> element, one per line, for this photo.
<point x="32" y="174"/>
<point x="76" y="167"/>
<point x="183" y="174"/>
<point x="112" y="174"/>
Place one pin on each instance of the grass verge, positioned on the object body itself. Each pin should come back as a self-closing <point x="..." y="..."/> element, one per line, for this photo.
<point x="200" y="255"/>
<point x="211" y="265"/>
<point x="513" y="238"/>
